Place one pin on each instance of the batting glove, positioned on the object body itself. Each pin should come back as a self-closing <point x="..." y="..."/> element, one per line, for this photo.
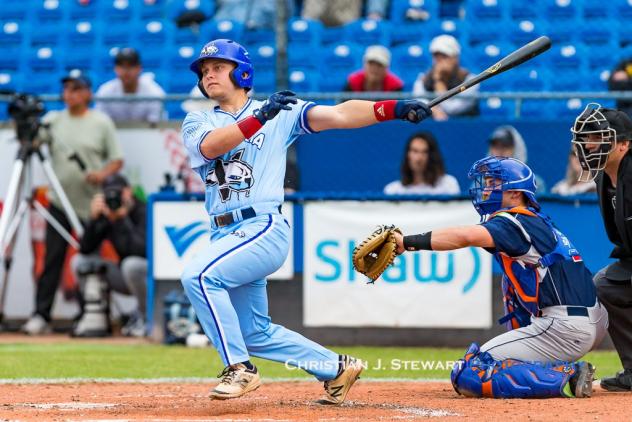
<point x="274" y="104"/>
<point x="412" y="110"/>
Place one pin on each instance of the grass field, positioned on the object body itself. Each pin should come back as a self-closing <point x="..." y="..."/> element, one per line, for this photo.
<point x="83" y="360"/>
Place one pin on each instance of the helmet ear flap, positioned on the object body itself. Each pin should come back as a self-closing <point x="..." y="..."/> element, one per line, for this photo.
<point x="200" y="86"/>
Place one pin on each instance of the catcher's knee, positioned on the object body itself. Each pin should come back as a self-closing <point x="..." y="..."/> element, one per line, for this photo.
<point x="479" y="375"/>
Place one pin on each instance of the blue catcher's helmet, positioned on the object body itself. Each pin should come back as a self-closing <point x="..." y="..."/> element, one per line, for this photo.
<point x="229" y="50"/>
<point x="494" y="175"/>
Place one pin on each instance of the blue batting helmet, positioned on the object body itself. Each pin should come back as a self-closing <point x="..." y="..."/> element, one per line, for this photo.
<point x="233" y="52"/>
<point x="494" y="175"/>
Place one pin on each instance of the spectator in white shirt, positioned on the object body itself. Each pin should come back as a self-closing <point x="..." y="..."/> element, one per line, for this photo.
<point x="129" y="82"/>
<point x="422" y="170"/>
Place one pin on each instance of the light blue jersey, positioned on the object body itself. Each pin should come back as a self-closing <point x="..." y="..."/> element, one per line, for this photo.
<point x="252" y="173"/>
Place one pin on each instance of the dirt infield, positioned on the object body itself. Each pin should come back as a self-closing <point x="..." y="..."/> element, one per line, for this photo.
<point x="369" y="400"/>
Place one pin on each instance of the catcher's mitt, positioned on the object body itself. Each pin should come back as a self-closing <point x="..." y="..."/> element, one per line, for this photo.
<point x="376" y="253"/>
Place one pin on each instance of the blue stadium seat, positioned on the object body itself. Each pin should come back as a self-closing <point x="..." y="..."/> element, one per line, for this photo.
<point x="254" y="36"/>
<point x="414" y="10"/>
<point x="486" y="10"/>
<point x="118" y="10"/>
<point x="597" y="79"/>
<point x="79" y="57"/>
<point x="182" y="57"/>
<point x="497" y="108"/>
<point x="567" y="56"/>
<point x="486" y="54"/>
<point x="524" y="10"/>
<point x="498" y="83"/>
<point x="332" y="82"/>
<point x="156" y="34"/>
<point x="599" y="34"/>
<point x="45" y="58"/>
<point x="263" y="57"/>
<point x="181" y="85"/>
<point x="266" y="80"/>
<point x="48" y="33"/>
<point x="301" y="55"/>
<point x="558" y="10"/>
<point x="14" y="10"/>
<point x="118" y="34"/>
<point x="597" y="10"/>
<point x="414" y="32"/>
<point x="536" y="109"/>
<point x="530" y="78"/>
<point x="602" y="56"/>
<point x="10" y="81"/>
<point x="82" y="33"/>
<point x="568" y="109"/>
<point x="369" y="32"/>
<point x="47" y="11"/>
<point x="153" y="59"/>
<point x="303" y="80"/>
<point x="448" y="26"/>
<point x="564" y="31"/>
<point x="11" y="57"/>
<point x="152" y="10"/>
<point x="79" y="10"/>
<point x="623" y="10"/>
<point x="42" y="82"/>
<point x="524" y="31"/>
<point x="623" y="32"/>
<point x="477" y="33"/>
<point x="188" y="35"/>
<point x="342" y="57"/>
<point x="568" y="80"/>
<point x="333" y="34"/>
<point x="177" y="7"/>
<point x="213" y="29"/>
<point x="13" y="33"/>
<point x="408" y="61"/>
<point x="174" y="109"/>
<point x="305" y="31"/>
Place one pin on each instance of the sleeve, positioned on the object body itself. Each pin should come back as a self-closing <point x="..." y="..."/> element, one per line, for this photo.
<point x="418" y="86"/>
<point x="508" y="237"/>
<point x="112" y="145"/>
<point x="459" y="105"/>
<point x="95" y="232"/>
<point x="296" y="120"/>
<point x="194" y="128"/>
<point x="128" y="234"/>
<point x="451" y="185"/>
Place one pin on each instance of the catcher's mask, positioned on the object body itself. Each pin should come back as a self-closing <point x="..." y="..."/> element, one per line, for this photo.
<point x="595" y="135"/>
<point x="494" y="175"/>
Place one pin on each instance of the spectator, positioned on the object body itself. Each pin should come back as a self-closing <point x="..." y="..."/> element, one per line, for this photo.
<point x="115" y="215"/>
<point x="444" y="75"/>
<point x="376" y="9"/>
<point x="131" y="82"/>
<point x="332" y="12"/>
<point x="260" y="14"/>
<point x="375" y="76"/>
<point x="75" y="132"/>
<point x="571" y="185"/>
<point x="621" y="80"/>
<point x="506" y="141"/>
<point x="422" y="170"/>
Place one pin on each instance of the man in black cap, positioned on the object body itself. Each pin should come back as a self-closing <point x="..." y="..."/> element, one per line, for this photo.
<point x="115" y="215"/>
<point x="83" y="152"/>
<point x="130" y="82"/>
<point x="601" y="138"/>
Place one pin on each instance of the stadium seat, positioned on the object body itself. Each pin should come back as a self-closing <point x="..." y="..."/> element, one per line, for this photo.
<point x="486" y="54"/>
<point x="599" y="34"/>
<point x="369" y="32"/>
<point x="522" y="32"/>
<point x="301" y="55"/>
<point x="79" y="57"/>
<point x="524" y="10"/>
<point x="305" y="31"/>
<point x="530" y="78"/>
<point x="82" y="10"/>
<point x="174" y="109"/>
<point x="252" y="36"/>
<point x="623" y="10"/>
<point x="567" y="56"/>
<point x="156" y="34"/>
<point x="568" y="109"/>
<point x="342" y="58"/>
<point x="597" y="79"/>
<point x="332" y="82"/>
<point x="152" y="10"/>
<point x="498" y="83"/>
<point x="333" y="34"/>
<point x="266" y="81"/>
<point x="597" y="10"/>
<point x="414" y="32"/>
<point x="82" y="33"/>
<point x="478" y="33"/>
<point x="10" y="81"/>
<point x="48" y="33"/>
<point x="44" y="58"/>
<point x="602" y="56"/>
<point x="497" y="108"/>
<point x="303" y="80"/>
<point x="448" y="26"/>
<point x="485" y="11"/>
<point x="559" y="10"/>
<point x="181" y="58"/>
<point x="176" y="7"/>
<point x="414" y="11"/>
<point x="263" y="57"/>
<point x="213" y="29"/>
<point x="118" y="10"/>
<point x="408" y="61"/>
<point x="536" y="109"/>
<point x="188" y="35"/>
<point x="13" y="33"/>
<point x="11" y="57"/>
<point x="180" y="85"/>
<point x="42" y="82"/>
<point x="569" y="80"/>
<point x="14" y="10"/>
<point x="153" y="59"/>
<point x="564" y="31"/>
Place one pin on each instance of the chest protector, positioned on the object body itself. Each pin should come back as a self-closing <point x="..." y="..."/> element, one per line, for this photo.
<point x="522" y="275"/>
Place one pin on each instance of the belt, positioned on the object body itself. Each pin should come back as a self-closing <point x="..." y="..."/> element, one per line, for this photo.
<point x="562" y="311"/>
<point x="223" y="220"/>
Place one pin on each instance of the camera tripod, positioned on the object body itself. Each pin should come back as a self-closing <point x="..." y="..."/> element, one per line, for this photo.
<point x="19" y="199"/>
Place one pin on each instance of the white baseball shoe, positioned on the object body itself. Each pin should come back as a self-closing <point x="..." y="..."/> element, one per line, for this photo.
<point x="36" y="325"/>
<point x="236" y="381"/>
<point x="336" y="389"/>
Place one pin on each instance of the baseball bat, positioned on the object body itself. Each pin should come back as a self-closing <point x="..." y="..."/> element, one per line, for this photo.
<point x="521" y="55"/>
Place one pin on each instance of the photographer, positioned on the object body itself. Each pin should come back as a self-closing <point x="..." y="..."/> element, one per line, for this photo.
<point x="115" y="215"/>
<point x="83" y="152"/>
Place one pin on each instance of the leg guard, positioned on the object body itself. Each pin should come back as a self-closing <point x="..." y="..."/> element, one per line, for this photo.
<point x="479" y="375"/>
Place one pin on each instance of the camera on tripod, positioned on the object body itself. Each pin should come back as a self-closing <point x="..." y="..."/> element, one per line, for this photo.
<point x="113" y="197"/>
<point x="26" y="110"/>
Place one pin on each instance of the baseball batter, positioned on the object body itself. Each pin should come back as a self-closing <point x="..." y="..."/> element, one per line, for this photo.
<point x="551" y="305"/>
<point x="239" y="149"/>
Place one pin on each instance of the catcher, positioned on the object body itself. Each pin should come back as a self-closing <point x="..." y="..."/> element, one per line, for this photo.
<point x="552" y="311"/>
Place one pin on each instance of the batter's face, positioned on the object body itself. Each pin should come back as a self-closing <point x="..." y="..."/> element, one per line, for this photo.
<point x="418" y="155"/>
<point x="216" y="78"/>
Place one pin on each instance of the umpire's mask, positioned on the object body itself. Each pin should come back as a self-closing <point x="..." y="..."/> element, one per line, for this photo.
<point x="595" y="135"/>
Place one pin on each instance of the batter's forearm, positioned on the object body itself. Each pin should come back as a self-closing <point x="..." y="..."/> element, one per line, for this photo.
<point x="220" y="141"/>
<point x="354" y="113"/>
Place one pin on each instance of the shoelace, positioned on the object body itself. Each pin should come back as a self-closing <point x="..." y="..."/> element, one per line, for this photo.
<point x="228" y="374"/>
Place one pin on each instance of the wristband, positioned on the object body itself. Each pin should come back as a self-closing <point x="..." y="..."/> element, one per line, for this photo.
<point x="418" y="242"/>
<point x="384" y="110"/>
<point x="249" y="126"/>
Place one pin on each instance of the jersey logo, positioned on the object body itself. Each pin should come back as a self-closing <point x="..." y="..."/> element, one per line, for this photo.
<point x="233" y="175"/>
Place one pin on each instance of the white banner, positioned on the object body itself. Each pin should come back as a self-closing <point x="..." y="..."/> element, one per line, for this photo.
<point x="181" y="230"/>
<point x="423" y="289"/>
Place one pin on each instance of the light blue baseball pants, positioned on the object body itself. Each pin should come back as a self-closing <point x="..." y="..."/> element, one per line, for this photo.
<point x="226" y="285"/>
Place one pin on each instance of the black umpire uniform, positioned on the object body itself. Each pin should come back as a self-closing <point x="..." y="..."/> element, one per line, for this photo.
<point x="614" y="282"/>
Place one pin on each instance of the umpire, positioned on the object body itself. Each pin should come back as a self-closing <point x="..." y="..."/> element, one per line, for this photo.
<point x="602" y="137"/>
